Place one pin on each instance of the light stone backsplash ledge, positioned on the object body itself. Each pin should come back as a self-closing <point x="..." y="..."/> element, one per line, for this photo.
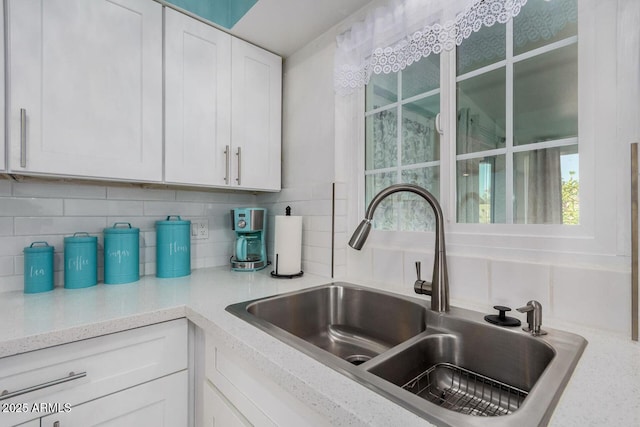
<point x="41" y="210"/>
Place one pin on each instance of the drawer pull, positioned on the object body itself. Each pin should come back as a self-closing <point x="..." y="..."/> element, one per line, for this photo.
<point x="6" y="394"/>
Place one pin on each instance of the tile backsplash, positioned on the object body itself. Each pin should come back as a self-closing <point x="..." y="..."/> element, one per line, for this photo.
<point x="38" y="210"/>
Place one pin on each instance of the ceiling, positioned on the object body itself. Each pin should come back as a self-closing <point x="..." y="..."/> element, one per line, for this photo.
<point x="284" y="26"/>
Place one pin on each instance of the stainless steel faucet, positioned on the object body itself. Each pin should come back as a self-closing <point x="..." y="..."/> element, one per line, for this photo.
<point x="439" y="286"/>
<point x="534" y="318"/>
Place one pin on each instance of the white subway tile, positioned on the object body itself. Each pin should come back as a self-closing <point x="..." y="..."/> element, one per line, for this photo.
<point x="59" y="190"/>
<point x="6" y="266"/>
<point x="19" y="206"/>
<point x="58" y="225"/>
<point x="164" y="209"/>
<point x="320" y="239"/>
<point x="596" y="298"/>
<point x="388" y="266"/>
<point x="469" y="279"/>
<point x="316" y="254"/>
<point x="144" y="223"/>
<point x="317" y="222"/>
<point x="84" y="207"/>
<point x="6" y="226"/>
<point x="360" y="264"/>
<point x="341" y="191"/>
<point x="5" y="187"/>
<point x="295" y="194"/>
<point x="322" y="191"/>
<point x="515" y="283"/>
<point x="136" y="193"/>
<point x="12" y="283"/>
<point x="319" y="269"/>
<point x="340" y="257"/>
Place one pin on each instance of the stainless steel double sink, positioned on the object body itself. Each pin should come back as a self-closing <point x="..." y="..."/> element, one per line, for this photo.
<point x="453" y="369"/>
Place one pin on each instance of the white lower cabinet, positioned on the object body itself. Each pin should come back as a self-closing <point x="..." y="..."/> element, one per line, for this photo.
<point x="218" y="411"/>
<point x="117" y="379"/>
<point x="235" y="391"/>
<point x="163" y="402"/>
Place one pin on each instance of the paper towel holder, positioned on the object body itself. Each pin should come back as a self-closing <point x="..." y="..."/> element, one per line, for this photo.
<point x="284" y="276"/>
<point x="275" y="272"/>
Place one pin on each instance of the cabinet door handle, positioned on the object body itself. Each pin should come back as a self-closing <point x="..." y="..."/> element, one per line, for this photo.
<point x="23" y="138"/>
<point x="226" y="164"/>
<point x="239" y="178"/>
<point x="6" y="394"/>
<point x="56" y="424"/>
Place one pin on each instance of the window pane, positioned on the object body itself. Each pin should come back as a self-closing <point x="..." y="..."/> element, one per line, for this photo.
<point x="382" y="90"/>
<point x="386" y="216"/>
<point x="545" y="96"/>
<point x="420" y="140"/>
<point x="482" y="48"/>
<point x="421" y="76"/>
<point x="543" y="22"/>
<point x="481" y="112"/>
<point x="381" y="133"/>
<point x="415" y="212"/>
<point x="546" y="184"/>
<point x="481" y="190"/>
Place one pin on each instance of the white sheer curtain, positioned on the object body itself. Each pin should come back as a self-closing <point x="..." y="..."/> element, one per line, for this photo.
<point x="394" y="36"/>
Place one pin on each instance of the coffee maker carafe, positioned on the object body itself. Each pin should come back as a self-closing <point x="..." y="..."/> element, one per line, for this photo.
<point x="250" y="248"/>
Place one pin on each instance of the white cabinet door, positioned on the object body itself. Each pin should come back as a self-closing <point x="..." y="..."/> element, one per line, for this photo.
<point x="197" y="101"/>
<point x="256" y="89"/>
<point x="85" y="88"/>
<point x="217" y="411"/>
<point x="162" y="402"/>
<point x="2" y="94"/>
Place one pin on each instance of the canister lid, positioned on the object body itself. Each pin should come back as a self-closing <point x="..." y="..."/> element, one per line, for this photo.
<point x="42" y="247"/>
<point x="81" y="237"/>
<point x="121" y="228"/>
<point x="170" y="221"/>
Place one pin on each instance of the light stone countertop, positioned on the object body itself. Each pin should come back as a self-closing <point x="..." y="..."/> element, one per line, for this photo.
<point x="604" y="389"/>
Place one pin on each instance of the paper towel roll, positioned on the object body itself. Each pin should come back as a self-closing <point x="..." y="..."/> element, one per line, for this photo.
<point x="288" y="245"/>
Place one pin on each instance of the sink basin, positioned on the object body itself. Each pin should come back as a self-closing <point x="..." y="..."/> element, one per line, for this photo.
<point x="450" y="368"/>
<point x="355" y="324"/>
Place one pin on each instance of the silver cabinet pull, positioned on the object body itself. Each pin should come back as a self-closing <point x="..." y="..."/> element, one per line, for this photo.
<point x="23" y="138"/>
<point x="239" y="178"/>
<point x="6" y="394"/>
<point x="56" y="424"/>
<point x="226" y="164"/>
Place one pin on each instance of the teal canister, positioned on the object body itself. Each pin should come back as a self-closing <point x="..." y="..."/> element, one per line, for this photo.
<point x="173" y="247"/>
<point x="38" y="268"/>
<point x="121" y="254"/>
<point x="80" y="261"/>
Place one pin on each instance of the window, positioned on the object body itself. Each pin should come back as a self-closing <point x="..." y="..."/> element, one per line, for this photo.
<point x="402" y="143"/>
<point x="516" y="125"/>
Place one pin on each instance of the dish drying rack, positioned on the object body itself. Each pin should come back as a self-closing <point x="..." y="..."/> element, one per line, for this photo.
<point x="465" y="391"/>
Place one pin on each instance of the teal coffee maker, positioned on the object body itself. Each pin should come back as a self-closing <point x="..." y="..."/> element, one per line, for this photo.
<point x="250" y="248"/>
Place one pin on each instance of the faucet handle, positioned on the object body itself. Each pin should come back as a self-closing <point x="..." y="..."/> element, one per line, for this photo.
<point x="421" y="286"/>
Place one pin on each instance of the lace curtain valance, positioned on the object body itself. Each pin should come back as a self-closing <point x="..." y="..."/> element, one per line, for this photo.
<point x="393" y="37"/>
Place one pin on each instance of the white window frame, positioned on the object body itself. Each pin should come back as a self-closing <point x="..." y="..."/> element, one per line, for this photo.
<point x="602" y="235"/>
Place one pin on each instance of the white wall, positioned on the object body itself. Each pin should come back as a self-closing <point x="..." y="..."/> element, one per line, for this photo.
<point x="37" y="210"/>
<point x="308" y="153"/>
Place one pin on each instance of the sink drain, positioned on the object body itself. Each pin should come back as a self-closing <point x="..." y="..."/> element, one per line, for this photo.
<point x="357" y="359"/>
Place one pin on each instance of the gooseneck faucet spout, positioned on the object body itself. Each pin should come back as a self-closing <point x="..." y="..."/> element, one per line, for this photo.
<point x="439" y="286"/>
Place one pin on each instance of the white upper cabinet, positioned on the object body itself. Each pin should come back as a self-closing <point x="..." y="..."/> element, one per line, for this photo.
<point x="256" y="114"/>
<point x="85" y="88"/>
<point x="197" y="100"/>
<point x="222" y="108"/>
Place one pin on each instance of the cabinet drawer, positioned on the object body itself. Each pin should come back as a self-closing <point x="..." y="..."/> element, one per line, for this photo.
<point x="84" y="370"/>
